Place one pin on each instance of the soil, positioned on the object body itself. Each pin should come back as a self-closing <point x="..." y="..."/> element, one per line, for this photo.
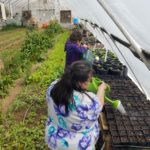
<point x="113" y="127"/>
<point x="130" y="133"/>
<point x="129" y="127"/>
<point x="116" y="140"/>
<point x="14" y="91"/>
<point x="114" y="133"/>
<point x="19" y="116"/>
<point x="124" y="139"/>
<point x="122" y="133"/>
<point x="12" y="45"/>
<point x="120" y="128"/>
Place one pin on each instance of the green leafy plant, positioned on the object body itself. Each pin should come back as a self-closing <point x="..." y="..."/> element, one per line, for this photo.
<point x="36" y="43"/>
<point x="53" y="67"/>
<point x="11" y="26"/>
<point x="53" y="28"/>
<point x="33" y="50"/>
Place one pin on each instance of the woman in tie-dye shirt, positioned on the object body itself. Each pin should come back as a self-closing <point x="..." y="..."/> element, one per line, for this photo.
<point x="72" y="111"/>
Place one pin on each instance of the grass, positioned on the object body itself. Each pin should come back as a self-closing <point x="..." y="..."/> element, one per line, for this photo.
<point x="12" y="39"/>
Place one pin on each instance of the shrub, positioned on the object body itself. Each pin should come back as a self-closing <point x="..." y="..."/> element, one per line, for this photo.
<point x="36" y="44"/>
<point x="53" y="28"/>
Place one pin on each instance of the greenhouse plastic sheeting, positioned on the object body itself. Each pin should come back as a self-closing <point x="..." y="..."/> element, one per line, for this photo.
<point x="134" y="16"/>
<point x="134" y="20"/>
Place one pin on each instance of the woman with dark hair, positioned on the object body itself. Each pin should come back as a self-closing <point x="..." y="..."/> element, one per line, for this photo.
<point x="74" y="49"/>
<point x="72" y="111"/>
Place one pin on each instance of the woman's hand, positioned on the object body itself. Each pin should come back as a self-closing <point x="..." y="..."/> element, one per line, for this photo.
<point x="102" y="86"/>
<point x="85" y="46"/>
<point x="101" y="92"/>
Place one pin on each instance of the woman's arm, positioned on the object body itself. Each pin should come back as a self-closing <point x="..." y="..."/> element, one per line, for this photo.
<point x="80" y="49"/>
<point x="75" y="46"/>
<point x="101" y="92"/>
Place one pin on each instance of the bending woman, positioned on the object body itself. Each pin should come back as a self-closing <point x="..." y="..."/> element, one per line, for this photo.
<point x="72" y="111"/>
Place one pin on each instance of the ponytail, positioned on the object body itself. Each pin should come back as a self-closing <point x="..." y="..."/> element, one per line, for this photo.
<point x="62" y="91"/>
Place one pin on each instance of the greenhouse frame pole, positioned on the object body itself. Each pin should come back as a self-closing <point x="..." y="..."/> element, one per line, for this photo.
<point x="28" y="5"/>
<point x="133" y="43"/>
<point x="11" y="11"/>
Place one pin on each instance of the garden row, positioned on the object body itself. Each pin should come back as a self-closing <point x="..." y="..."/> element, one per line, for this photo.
<point x="32" y="51"/>
<point x="24" y="126"/>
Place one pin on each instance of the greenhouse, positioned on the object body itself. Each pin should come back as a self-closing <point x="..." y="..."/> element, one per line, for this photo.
<point x="74" y="75"/>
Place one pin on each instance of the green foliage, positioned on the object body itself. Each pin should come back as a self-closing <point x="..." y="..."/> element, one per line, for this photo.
<point x="18" y="136"/>
<point x="10" y="26"/>
<point x="24" y="128"/>
<point x="25" y="124"/>
<point x="53" y="67"/>
<point x="5" y="82"/>
<point x="36" y="43"/>
<point x="53" y="28"/>
<point x="33" y="50"/>
<point x="12" y="66"/>
<point x="31" y="95"/>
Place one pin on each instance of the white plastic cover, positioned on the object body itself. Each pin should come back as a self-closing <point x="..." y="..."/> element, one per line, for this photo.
<point x="134" y="16"/>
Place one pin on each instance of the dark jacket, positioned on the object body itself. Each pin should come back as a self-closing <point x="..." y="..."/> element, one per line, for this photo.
<point x="73" y="52"/>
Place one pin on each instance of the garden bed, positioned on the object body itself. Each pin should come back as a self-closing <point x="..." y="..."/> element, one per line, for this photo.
<point x="23" y="125"/>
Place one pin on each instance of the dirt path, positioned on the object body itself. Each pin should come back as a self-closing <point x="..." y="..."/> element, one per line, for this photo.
<point x="12" y="39"/>
<point x="14" y="91"/>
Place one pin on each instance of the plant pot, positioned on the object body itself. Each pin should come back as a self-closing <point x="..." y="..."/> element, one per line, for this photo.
<point x="113" y="127"/>
<point x="129" y="127"/>
<point x="110" y="116"/>
<point x="85" y="33"/>
<point x="122" y="133"/>
<point x="115" y="72"/>
<point x="124" y="140"/>
<point x="95" y="65"/>
<point x="116" y="140"/>
<point x="102" y="71"/>
<point x="114" y="133"/>
<point x="120" y="128"/>
<point x="130" y="133"/>
<point x="125" y="71"/>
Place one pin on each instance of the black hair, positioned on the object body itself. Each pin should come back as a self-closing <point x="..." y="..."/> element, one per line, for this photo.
<point x="62" y="92"/>
<point x="76" y="36"/>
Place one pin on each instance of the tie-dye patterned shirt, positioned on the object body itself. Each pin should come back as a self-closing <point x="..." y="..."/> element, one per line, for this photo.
<point x="77" y="130"/>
